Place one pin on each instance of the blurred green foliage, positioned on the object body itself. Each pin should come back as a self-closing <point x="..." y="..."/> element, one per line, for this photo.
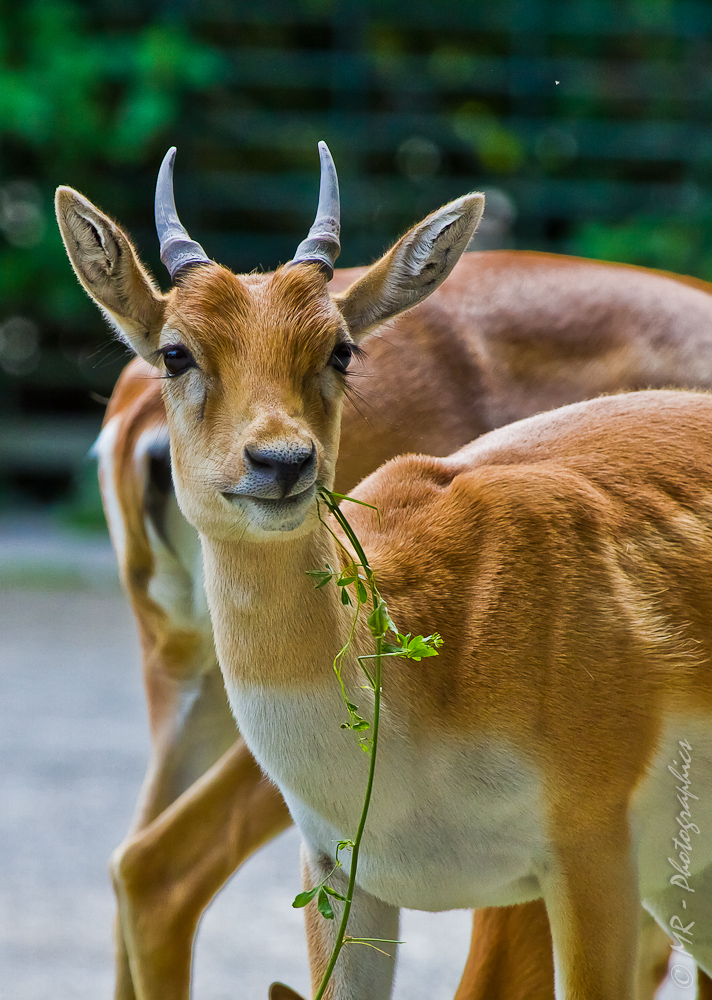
<point x="682" y="245"/>
<point x="585" y="122"/>
<point x="78" y="99"/>
<point x="91" y="93"/>
<point x="72" y="90"/>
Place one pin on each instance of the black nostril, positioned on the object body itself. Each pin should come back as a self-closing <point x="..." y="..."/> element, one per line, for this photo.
<point x="276" y="458"/>
<point x="256" y="461"/>
<point x="283" y="465"/>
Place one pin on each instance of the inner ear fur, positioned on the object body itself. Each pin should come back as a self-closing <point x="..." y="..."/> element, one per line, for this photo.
<point x="108" y="267"/>
<point x="412" y="269"/>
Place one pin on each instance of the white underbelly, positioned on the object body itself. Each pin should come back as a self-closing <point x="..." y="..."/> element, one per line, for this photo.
<point x="453" y="825"/>
<point x="435" y="863"/>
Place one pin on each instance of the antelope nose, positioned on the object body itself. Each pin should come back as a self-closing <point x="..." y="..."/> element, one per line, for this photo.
<point x="283" y="466"/>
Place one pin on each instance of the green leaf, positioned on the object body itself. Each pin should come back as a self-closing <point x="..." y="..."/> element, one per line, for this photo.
<point x="336" y="497"/>
<point x="355" y="721"/>
<point x="361" y="592"/>
<point x="345" y="599"/>
<point x="321" y="576"/>
<point x="379" y="621"/>
<point x="323" y="904"/>
<point x="334" y="893"/>
<point x="305" y="897"/>
<point x="348" y="577"/>
<point x="420" y="647"/>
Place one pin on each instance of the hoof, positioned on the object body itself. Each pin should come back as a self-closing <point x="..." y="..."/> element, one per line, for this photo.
<point x="278" y="991"/>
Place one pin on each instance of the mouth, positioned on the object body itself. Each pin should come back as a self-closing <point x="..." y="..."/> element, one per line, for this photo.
<point x="274" y="504"/>
<point x="271" y="515"/>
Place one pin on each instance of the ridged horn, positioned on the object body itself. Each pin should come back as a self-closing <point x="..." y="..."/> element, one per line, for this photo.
<point x="177" y="249"/>
<point x="322" y="244"/>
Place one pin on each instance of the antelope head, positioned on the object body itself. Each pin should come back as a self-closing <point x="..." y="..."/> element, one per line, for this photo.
<point x="255" y="365"/>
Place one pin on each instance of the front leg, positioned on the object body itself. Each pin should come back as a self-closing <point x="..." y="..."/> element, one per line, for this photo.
<point x="167" y="873"/>
<point x="361" y="972"/>
<point x="193" y="730"/>
<point x="591" y="894"/>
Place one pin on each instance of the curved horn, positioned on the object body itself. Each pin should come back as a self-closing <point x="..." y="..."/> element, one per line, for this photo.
<point x="177" y="248"/>
<point x="322" y="244"/>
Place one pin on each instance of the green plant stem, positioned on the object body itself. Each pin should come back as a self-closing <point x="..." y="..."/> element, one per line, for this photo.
<point x="379" y="623"/>
<point x="339" y="943"/>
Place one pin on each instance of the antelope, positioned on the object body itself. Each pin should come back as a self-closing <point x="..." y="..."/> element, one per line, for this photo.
<point x="244" y="540"/>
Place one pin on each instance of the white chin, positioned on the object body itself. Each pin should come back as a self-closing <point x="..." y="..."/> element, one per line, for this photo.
<point x="278" y="515"/>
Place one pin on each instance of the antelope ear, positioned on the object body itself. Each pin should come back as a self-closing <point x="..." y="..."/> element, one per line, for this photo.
<point x="109" y="269"/>
<point x="419" y="262"/>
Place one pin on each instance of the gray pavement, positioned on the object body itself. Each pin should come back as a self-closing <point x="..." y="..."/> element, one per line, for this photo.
<point x="73" y="747"/>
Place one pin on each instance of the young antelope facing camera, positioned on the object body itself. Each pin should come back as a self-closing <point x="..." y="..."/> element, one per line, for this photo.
<point x="564" y="560"/>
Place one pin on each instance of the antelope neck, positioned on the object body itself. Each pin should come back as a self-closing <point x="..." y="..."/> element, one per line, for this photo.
<point x="273" y="629"/>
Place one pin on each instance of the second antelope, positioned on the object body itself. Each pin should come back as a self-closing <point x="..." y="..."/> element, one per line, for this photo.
<point x="564" y="560"/>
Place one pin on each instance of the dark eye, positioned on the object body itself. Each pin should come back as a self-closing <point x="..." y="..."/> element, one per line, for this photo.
<point x="341" y="356"/>
<point x="178" y="360"/>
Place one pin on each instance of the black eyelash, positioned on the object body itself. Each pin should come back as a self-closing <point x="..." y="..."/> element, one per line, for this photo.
<point x="358" y="352"/>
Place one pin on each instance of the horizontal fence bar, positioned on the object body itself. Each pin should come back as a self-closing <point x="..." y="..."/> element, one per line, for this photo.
<point x="679" y="20"/>
<point x="351" y="132"/>
<point x="451" y="69"/>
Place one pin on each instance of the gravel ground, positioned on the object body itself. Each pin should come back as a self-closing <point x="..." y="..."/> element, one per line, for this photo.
<point x="73" y="747"/>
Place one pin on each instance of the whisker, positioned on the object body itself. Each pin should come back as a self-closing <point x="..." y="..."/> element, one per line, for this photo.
<point x="106" y="354"/>
<point x="352" y="394"/>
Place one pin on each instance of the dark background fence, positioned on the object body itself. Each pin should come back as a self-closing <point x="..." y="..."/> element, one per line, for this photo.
<point x="586" y="123"/>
